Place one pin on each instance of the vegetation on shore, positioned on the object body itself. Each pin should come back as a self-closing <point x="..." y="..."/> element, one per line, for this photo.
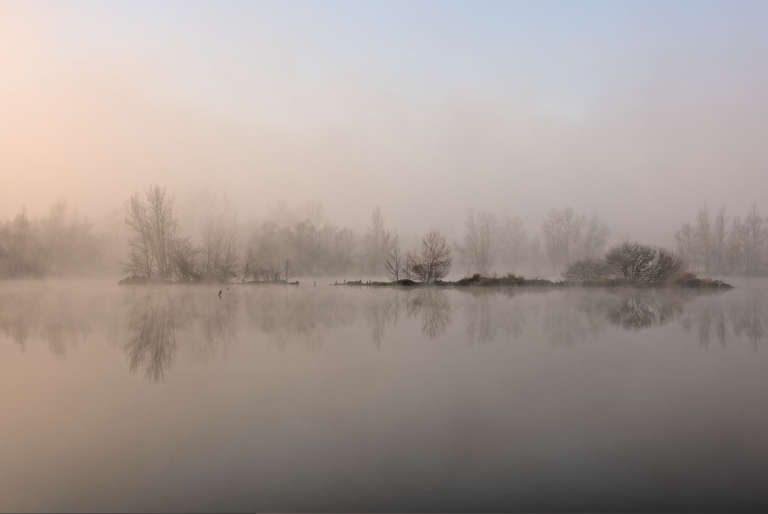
<point x="159" y="255"/>
<point x="628" y="264"/>
<point x="685" y="280"/>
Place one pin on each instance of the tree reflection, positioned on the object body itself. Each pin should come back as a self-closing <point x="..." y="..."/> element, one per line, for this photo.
<point x="434" y="308"/>
<point x="641" y="309"/>
<point x="572" y="316"/>
<point x="748" y="316"/>
<point x="489" y="314"/>
<point x="49" y="315"/>
<point x="156" y="320"/>
<point x="382" y="314"/>
<point x="153" y="325"/>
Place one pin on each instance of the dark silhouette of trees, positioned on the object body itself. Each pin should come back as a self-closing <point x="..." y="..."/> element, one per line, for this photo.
<point x="433" y="260"/>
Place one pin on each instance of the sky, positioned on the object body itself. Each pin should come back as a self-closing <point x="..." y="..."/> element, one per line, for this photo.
<point x="638" y="112"/>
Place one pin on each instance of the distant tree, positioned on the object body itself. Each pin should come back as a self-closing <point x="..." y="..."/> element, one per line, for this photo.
<point x="62" y="242"/>
<point x="433" y="261"/>
<point x="717" y="247"/>
<point x="719" y="243"/>
<point x="219" y="244"/>
<point x="512" y="244"/>
<point x="569" y="237"/>
<point x="736" y="246"/>
<point x="754" y="241"/>
<point x="479" y="237"/>
<point x="589" y="269"/>
<point x="378" y="242"/>
<point x="186" y="261"/>
<point x="703" y="241"/>
<point x="395" y="261"/>
<point x="594" y="236"/>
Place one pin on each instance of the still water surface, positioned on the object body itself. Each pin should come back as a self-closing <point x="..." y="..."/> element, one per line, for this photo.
<point x="337" y="398"/>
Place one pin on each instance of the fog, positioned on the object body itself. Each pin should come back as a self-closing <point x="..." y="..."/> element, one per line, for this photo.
<point x="638" y="114"/>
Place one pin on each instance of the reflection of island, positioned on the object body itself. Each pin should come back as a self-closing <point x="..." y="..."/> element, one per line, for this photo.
<point x="150" y="326"/>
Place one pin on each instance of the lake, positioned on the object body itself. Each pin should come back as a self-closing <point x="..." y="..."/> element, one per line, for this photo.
<point x="351" y="399"/>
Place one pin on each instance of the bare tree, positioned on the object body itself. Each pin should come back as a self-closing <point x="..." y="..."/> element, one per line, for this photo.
<point x="569" y="237"/>
<point x="395" y="261"/>
<point x="479" y="235"/>
<point x="754" y="241"/>
<point x="702" y="237"/>
<point x="686" y="244"/>
<point x="719" y="242"/>
<point x="163" y="226"/>
<point x="378" y="242"/>
<point x="186" y="261"/>
<point x="511" y="243"/>
<point x="140" y="244"/>
<point x="433" y="261"/>
<point x="594" y="236"/>
<point x="153" y="224"/>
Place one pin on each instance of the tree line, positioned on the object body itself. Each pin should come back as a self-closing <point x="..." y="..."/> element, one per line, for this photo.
<point x="59" y="243"/>
<point x="272" y="251"/>
<point x="221" y="249"/>
<point x="723" y="245"/>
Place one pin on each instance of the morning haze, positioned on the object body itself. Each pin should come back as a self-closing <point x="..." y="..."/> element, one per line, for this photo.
<point x="635" y="116"/>
<point x="383" y="256"/>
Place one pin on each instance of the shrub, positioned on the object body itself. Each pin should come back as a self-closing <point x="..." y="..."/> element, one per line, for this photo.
<point x="589" y="269"/>
<point x="641" y="263"/>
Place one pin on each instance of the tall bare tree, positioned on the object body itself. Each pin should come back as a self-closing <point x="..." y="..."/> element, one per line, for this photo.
<point x="152" y="221"/>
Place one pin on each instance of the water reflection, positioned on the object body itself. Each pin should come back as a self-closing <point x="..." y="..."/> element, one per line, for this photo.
<point x="432" y="307"/>
<point x="642" y="309"/>
<point x="150" y="325"/>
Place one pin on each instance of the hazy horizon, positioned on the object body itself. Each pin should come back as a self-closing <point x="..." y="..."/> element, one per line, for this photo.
<point x="638" y="113"/>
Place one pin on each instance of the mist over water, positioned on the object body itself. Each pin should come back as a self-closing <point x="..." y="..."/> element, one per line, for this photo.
<point x="342" y="398"/>
<point x="383" y="256"/>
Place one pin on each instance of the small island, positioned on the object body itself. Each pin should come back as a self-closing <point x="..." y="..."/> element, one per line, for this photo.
<point x="158" y="254"/>
<point x="630" y="264"/>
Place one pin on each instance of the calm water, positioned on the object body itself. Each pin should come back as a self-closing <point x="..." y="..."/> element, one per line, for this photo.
<point x="332" y="398"/>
